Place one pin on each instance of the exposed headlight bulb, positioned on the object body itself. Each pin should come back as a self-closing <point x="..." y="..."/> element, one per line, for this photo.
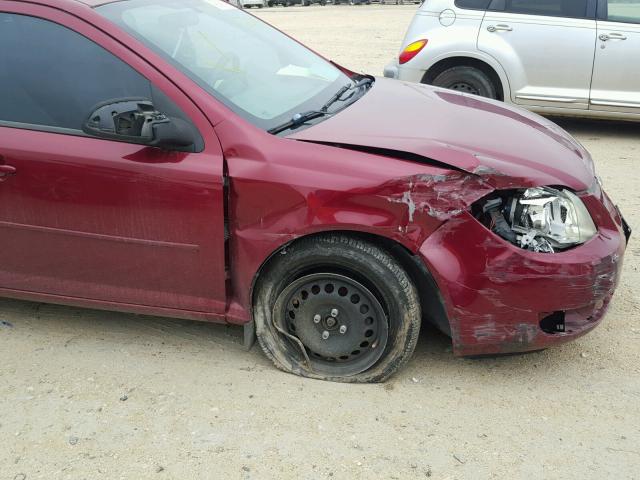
<point x="549" y="219"/>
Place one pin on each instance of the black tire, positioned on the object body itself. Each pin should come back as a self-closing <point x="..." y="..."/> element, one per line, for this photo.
<point x="394" y="305"/>
<point x="468" y="80"/>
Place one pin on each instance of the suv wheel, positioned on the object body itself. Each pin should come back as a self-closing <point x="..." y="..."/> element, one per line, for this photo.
<point x="337" y="308"/>
<point x="468" y="80"/>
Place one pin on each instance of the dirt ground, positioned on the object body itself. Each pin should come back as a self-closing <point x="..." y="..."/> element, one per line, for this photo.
<point x="88" y="395"/>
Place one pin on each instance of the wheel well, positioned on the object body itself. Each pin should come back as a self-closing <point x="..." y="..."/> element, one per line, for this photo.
<point x="448" y="63"/>
<point x="431" y="301"/>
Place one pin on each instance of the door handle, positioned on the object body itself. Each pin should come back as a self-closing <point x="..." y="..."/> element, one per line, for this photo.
<point x="499" y="28"/>
<point x="612" y="36"/>
<point x="7" y="170"/>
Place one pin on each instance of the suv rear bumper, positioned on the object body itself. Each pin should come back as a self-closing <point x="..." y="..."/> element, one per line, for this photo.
<point x="402" y="72"/>
<point x="391" y="71"/>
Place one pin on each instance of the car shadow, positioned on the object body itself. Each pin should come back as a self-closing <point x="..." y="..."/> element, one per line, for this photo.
<point x="596" y="128"/>
<point x="65" y="327"/>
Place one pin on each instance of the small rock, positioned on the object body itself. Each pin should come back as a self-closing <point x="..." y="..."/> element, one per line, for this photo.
<point x="584" y="355"/>
<point x="124" y="398"/>
<point x="245" y="468"/>
<point x="159" y="469"/>
<point x="20" y="476"/>
<point x="415" y="380"/>
<point x="4" y="323"/>
<point x="73" y="440"/>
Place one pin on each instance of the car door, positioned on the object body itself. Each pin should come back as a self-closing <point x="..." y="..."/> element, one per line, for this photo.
<point x="95" y="219"/>
<point x="616" y="71"/>
<point x="546" y="48"/>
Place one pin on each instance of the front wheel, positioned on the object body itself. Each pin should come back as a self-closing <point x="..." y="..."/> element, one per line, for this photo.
<point x="337" y="308"/>
<point x="468" y="80"/>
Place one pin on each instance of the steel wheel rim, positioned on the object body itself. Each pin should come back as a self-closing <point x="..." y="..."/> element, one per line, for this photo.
<point x="464" y="87"/>
<point x="340" y="322"/>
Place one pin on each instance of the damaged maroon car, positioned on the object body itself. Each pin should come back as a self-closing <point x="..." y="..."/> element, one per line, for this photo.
<point x="183" y="158"/>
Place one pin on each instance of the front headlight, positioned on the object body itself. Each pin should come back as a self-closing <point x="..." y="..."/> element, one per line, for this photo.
<point x="554" y="218"/>
<point x="541" y="219"/>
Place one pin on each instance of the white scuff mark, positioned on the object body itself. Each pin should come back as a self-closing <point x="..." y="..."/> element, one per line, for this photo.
<point x="408" y="201"/>
<point x="431" y="179"/>
<point x="406" y="198"/>
<point x="440" y="214"/>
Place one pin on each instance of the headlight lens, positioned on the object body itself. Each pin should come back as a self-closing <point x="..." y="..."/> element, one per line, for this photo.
<point x="548" y="219"/>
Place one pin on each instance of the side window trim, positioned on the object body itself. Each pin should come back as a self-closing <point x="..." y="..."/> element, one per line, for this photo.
<point x="457" y="3"/>
<point x="43" y="128"/>
<point x="501" y="6"/>
<point x="602" y="10"/>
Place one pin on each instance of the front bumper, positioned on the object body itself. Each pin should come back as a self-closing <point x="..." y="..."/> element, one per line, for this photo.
<point x="502" y="299"/>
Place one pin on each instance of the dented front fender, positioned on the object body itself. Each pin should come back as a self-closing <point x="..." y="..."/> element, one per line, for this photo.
<point x="289" y="189"/>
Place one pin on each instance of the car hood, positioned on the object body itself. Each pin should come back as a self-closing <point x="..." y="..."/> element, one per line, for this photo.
<point x="509" y="146"/>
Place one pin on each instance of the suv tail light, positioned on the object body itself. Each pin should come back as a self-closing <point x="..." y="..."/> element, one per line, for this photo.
<point x="412" y="50"/>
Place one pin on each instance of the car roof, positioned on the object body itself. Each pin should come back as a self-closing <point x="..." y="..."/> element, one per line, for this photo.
<point x="58" y="3"/>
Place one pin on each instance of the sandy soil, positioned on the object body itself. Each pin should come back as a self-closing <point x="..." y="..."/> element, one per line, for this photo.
<point x="88" y="395"/>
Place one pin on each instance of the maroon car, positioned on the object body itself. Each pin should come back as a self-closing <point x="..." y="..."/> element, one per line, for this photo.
<point x="183" y="158"/>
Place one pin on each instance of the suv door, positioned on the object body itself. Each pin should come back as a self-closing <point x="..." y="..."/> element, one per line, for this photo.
<point x="546" y="48"/>
<point x="616" y="72"/>
<point x="93" y="219"/>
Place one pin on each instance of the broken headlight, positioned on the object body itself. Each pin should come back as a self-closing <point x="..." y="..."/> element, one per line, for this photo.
<point x="541" y="219"/>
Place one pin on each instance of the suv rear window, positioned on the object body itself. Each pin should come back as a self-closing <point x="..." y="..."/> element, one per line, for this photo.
<point x="550" y="8"/>
<point x="473" y="4"/>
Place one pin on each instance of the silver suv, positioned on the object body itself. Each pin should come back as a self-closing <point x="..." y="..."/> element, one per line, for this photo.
<point x="569" y="57"/>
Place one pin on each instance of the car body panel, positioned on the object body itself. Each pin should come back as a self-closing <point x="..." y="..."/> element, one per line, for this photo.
<point x="563" y="77"/>
<point x="96" y="225"/>
<point x="496" y="295"/>
<point x="290" y="189"/>
<point x="615" y="76"/>
<point x="397" y="120"/>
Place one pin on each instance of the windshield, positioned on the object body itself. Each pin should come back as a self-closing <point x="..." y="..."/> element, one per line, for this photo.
<point x="255" y="70"/>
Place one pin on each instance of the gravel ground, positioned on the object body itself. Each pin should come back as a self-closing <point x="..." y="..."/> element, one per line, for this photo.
<point x="88" y="395"/>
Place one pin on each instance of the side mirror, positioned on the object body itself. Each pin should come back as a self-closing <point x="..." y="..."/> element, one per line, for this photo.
<point x="137" y="121"/>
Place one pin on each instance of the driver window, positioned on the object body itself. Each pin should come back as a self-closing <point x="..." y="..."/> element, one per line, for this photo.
<point x="51" y="77"/>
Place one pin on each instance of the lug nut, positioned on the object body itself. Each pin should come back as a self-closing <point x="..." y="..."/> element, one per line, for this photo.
<point x="325" y="335"/>
<point x="343" y="329"/>
<point x="334" y="312"/>
<point x="317" y="318"/>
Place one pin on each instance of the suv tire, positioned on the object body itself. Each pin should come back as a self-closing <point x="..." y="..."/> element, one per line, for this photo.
<point x="468" y="80"/>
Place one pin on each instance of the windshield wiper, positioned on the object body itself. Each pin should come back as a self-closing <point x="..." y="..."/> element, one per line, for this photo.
<point x="300" y="118"/>
<point x="338" y="96"/>
<point x="297" y="120"/>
